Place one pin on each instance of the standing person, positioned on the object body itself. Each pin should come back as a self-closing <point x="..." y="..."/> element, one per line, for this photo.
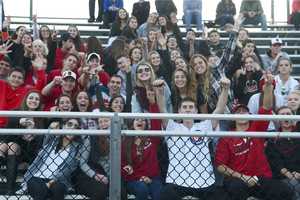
<point x="110" y="10"/>
<point x="92" y="11"/>
<point x="294" y="18"/>
<point x="165" y="7"/>
<point x="190" y="171"/>
<point x="192" y="12"/>
<point x="225" y="12"/>
<point x="253" y="13"/>
<point x="141" y="11"/>
<point x="243" y="160"/>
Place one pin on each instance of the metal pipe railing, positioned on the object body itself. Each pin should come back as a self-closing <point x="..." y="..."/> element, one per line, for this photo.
<point x="115" y="132"/>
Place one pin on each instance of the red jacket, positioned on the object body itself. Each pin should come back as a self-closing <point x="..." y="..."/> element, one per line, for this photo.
<point x="245" y="155"/>
<point x="148" y="165"/>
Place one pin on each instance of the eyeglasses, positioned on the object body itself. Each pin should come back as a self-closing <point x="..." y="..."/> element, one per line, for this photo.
<point x="141" y="70"/>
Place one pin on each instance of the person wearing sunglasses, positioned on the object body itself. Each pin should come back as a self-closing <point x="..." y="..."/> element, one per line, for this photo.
<point x="145" y="83"/>
<point x="49" y="174"/>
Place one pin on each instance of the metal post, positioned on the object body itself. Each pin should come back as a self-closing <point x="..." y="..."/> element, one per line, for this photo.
<point x="272" y="12"/>
<point x="115" y="159"/>
<point x="288" y="8"/>
<point x="31" y="9"/>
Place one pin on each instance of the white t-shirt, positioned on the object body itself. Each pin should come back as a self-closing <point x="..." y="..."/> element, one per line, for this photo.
<point x="190" y="160"/>
<point x="282" y="90"/>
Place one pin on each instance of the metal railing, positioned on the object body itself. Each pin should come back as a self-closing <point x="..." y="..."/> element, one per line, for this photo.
<point x="116" y="132"/>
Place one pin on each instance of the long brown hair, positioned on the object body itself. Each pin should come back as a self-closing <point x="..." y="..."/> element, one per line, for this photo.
<point x="202" y="79"/>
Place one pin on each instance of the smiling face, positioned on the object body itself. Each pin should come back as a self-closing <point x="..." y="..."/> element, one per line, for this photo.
<point x="174" y="54"/>
<point x="293" y="101"/>
<point x="122" y="14"/>
<point x="64" y="104"/>
<point x="82" y="101"/>
<point x="155" y="59"/>
<point x="199" y="65"/>
<point x="139" y="124"/>
<point x="288" y="124"/>
<point x="162" y="21"/>
<point x="172" y="43"/>
<point x="136" y="55"/>
<point x="214" y="38"/>
<point x="180" y="79"/>
<point x="104" y="123"/>
<point x="143" y="73"/>
<point x="33" y="101"/>
<point x="26" y="39"/>
<point x="73" y="31"/>
<point x="20" y="32"/>
<point x="181" y="64"/>
<point x="117" y="104"/>
<point x="15" y="79"/>
<point x="45" y="32"/>
<point x="249" y="64"/>
<point x="38" y="48"/>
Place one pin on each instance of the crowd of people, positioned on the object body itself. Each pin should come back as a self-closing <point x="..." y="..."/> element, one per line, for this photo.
<point x="149" y="67"/>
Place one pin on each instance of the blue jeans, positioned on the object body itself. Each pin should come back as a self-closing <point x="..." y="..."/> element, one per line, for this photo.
<point x="141" y="190"/>
<point x="256" y="20"/>
<point x="225" y="19"/>
<point x="191" y="16"/>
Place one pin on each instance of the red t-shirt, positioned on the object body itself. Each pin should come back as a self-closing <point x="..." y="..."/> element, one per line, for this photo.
<point x="59" y="57"/>
<point x="245" y="155"/>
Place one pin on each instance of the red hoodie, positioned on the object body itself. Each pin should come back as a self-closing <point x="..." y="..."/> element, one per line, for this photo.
<point x="148" y="165"/>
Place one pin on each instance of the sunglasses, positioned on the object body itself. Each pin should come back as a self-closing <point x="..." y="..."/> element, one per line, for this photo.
<point x="141" y="70"/>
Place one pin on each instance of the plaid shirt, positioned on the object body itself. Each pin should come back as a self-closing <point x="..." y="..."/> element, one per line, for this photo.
<point x="218" y="72"/>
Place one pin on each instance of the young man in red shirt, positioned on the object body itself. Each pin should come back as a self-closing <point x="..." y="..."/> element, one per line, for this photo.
<point x="243" y="160"/>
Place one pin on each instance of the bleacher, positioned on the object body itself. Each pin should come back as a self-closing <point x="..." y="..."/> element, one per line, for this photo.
<point x="262" y="39"/>
<point x="290" y="37"/>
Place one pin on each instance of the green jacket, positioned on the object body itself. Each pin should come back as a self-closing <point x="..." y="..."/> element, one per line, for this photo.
<point x="251" y="5"/>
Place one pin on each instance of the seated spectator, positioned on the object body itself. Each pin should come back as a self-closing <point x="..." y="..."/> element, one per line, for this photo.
<point x="110" y="10"/>
<point x="242" y="37"/>
<point x="65" y="84"/>
<point x="5" y="66"/>
<point x="294" y="18"/>
<point x="16" y="149"/>
<point x="214" y="44"/>
<point x="119" y="23"/>
<point x="270" y="59"/>
<point x="225" y="12"/>
<point x="283" y="154"/>
<point x="293" y="101"/>
<point x="102" y="95"/>
<point x="165" y="7"/>
<point x="67" y="43"/>
<point x="92" y="68"/>
<point x="247" y="79"/>
<point x="285" y="83"/>
<point x="253" y="13"/>
<point x="190" y="171"/>
<point x="70" y="62"/>
<point x="192" y="13"/>
<point x="145" y="77"/>
<point x="192" y="46"/>
<point x="140" y="162"/>
<point x="75" y="34"/>
<point x="50" y="173"/>
<point x="141" y="11"/>
<point x="13" y="90"/>
<point x="150" y="24"/>
<point x="243" y="160"/>
<point x="129" y="30"/>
